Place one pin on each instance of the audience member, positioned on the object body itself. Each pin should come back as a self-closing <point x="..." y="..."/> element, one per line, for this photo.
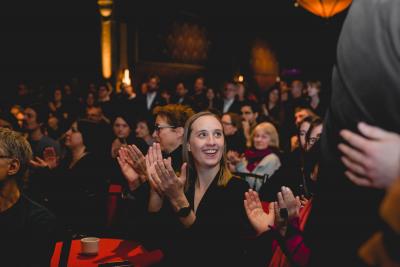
<point x="25" y="226"/>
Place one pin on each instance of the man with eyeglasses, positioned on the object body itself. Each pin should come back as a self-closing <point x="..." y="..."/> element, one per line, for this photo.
<point x="27" y="230"/>
<point x="229" y="103"/>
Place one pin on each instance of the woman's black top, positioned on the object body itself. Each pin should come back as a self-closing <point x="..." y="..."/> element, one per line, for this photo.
<point x="81" y="191"/>
<point x="27" y="235"/>
<point x="217" y="236"/>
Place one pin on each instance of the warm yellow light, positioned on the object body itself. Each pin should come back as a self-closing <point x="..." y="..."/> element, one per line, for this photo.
<point x="126" y="79"/>
<point x="105" y="7"/>
<point x="278" y="79"/>
<point x="240" y="78"/>
<point x="106" y="49"/>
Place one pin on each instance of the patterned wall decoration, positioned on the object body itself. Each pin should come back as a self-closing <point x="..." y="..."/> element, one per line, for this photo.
<point x="187" y="43"/>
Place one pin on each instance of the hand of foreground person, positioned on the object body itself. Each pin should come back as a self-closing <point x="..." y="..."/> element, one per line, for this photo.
<point x="372" y="159"/>
<point x="258" y="218"/>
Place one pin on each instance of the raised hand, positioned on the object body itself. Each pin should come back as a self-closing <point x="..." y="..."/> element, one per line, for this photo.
<point x="50" y="157"/>
<point x="280" y="212"/>
<point x="259" y="219"/>
<point x="151" y="160"/>
<point x="156" y="195"/>
<point x="171" y="185"/>
<point x="292" y="203"/>
<point x="131" y="176"/>
<point x="37" y="162"/>
<point x="372" y="159"/>
<point x="138" y="161"/>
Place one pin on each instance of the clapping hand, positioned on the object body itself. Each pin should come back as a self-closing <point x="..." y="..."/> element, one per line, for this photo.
<point x="138" y="161"/>
<point x="49" y="159"/>
<point x="126" y="164"/>
<point x="164" y="176"/>
<point x="259" y="219"/>
<point x="287" y="209"/>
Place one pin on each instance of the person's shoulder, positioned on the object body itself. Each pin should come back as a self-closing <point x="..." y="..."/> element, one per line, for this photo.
<point x="37" y="215"/>
<point x="272" y="157"/>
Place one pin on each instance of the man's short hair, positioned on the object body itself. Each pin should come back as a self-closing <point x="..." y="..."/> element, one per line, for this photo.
<point x="154" y="76"/>
<point x="236" y="119"/>
<point x="175" y="114"/>
<point x="13" y="145"/>
<point x="300" y="108"/>
<point x="42" y="112"/>
<point x="253" y="105"/>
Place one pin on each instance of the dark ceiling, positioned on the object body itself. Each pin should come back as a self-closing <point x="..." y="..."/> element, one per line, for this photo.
<point x="60" y="41"/>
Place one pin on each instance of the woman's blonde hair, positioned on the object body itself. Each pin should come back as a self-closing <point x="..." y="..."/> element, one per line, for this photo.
<point x="224" y="174"/>
<point x="269" y="129"/>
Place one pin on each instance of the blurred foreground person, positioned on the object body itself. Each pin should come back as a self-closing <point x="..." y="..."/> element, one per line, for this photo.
<point x="26" y="228"/>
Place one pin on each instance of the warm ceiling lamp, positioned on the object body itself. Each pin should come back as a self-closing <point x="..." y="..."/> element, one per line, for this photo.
<point x="325" y="8"/>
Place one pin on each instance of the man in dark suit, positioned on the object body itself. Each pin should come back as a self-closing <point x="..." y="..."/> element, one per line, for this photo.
<point x="181" y="95"/>
<point x="229" y="102"/>
<point x="344" y="215"/>
<point x="152" y="97"/>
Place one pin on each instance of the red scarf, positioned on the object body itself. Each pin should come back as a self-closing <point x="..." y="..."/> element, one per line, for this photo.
<point x="254" y="156"/>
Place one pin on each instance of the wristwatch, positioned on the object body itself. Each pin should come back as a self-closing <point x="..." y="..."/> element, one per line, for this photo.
<point x="184" y="212"/>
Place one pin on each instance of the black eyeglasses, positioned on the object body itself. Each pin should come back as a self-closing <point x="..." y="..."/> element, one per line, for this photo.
<point x="158" y="127"/>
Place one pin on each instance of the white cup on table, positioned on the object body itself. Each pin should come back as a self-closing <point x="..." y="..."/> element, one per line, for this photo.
<point x="90" y="245"/>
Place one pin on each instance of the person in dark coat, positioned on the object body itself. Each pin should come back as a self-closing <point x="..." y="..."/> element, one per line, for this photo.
<point x="345" y="215"/>
<point x="26" y="228"/>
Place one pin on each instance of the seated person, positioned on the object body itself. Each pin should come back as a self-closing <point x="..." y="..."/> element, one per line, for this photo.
<point x="205" y="200"/>
<point x="262" y="158"/>
<point x="233" y="131"/>
<point x="77" y="188"/>
<point x="35" y="117"/>
<point x="144" y="130"/>
<point x="123" y="132"/>
<point x="27" y="229"/>
<point x="287" y="217"/>
<point x="168" y="133"/>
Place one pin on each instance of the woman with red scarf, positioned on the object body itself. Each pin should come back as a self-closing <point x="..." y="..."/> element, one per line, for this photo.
<point x="261" y="159"/>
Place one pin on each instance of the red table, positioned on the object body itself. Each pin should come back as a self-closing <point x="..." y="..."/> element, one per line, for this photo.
<point x="110" y="250"/>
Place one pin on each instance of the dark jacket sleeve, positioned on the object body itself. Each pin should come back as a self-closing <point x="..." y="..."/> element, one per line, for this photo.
<point x="43" y="237"/>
